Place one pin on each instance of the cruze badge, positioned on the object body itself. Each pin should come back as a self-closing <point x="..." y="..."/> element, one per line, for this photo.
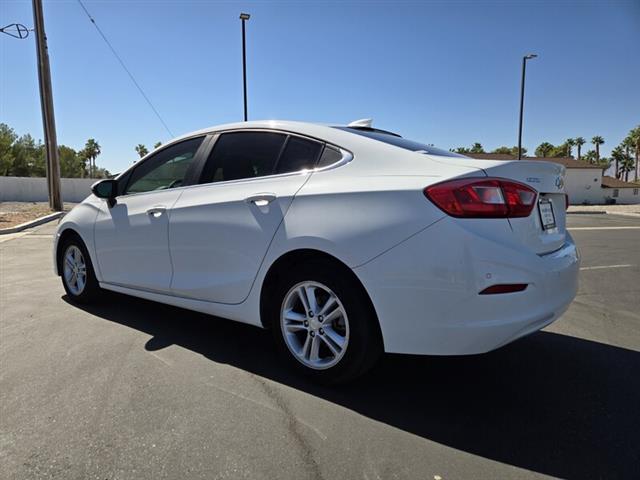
<point x="559" y="182"/>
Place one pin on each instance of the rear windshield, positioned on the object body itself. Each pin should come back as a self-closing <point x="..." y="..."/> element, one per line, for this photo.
<point x="397" y="141"/>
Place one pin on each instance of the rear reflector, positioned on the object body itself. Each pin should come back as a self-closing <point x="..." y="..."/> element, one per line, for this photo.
<point x="483" y="198"/>
<point x="506" y="288"/>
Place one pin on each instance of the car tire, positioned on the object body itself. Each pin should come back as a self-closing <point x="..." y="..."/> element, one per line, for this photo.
<point x="347" y="343"/>
<point x="76" y="271"/>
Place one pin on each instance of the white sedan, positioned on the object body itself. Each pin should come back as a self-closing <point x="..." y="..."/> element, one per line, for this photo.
<point x="345" y="241"/>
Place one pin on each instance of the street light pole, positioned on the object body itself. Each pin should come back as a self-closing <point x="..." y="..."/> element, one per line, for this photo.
<point x="524" y="69"/>
<point x="46" y="101"/>
<point x="244" y="17"/>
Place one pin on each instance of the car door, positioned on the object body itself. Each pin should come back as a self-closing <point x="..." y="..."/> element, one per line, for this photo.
<point x="220" y="230"/>
<point x="131" y="237"/>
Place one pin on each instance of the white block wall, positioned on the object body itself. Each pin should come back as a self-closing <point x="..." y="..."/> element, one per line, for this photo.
<point x="34" y="189"/>
<point x="583" y="185"/>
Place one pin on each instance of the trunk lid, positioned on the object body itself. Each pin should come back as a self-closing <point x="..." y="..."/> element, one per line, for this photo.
<point x="548" y="179"/>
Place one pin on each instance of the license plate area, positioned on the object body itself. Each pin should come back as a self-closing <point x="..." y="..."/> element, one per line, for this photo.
<point x="547" y="218"/>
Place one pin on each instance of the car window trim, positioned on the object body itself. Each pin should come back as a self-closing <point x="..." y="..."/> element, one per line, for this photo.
<point x="347" y="156"/>
<point x="190" y="176"/>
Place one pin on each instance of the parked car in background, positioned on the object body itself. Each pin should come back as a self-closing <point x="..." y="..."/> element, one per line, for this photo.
<point x="345" y="241"/>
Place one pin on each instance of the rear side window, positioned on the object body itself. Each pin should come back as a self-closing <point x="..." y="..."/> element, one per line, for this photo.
<point x="329" y="156"/>
<point x="299" y="154"/>
<point x="238" y="155"/>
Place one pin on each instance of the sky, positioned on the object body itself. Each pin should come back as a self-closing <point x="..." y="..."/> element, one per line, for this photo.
<point x="441" y="72"/>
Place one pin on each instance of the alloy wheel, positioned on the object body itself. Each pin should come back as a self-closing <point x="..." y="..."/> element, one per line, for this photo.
<point x="74" y="270"/>
<point x="314" y="325"/>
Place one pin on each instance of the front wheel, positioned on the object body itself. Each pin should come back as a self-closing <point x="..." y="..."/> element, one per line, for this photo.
<point x="76" y="270"/>
<point x="324" y="324"/>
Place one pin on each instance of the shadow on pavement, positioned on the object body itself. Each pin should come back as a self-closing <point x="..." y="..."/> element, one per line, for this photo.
<point x="549" y="403"/>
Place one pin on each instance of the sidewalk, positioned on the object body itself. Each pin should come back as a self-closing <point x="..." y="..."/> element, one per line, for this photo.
<point x="628" y="210"/>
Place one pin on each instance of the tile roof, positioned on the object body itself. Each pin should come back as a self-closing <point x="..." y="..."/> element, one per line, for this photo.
<point x="610" y="182"/>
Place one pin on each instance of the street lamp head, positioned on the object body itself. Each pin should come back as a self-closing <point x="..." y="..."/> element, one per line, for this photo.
<point x="530" y="56"/>
<point x="244" y="16"/>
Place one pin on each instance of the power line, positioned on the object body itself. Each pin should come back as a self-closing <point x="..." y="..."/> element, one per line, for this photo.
<point x="125" y="68"/>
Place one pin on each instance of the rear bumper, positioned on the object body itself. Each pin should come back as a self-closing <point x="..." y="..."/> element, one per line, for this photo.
<point x="425" y="290"/>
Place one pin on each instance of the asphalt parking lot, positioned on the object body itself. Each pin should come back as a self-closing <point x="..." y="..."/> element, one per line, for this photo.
<point x="132" y="389"/>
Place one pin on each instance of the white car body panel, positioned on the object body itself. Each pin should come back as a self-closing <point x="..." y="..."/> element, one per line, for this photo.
<point x="131" y="240"/>
<point x="217" y="260"/>
<point x="422" y="269"/>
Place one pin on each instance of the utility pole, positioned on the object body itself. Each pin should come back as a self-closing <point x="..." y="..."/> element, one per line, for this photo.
<point x="244" y="17"/>
<point x="46" y="102"/>
<point x="524" y="71"/>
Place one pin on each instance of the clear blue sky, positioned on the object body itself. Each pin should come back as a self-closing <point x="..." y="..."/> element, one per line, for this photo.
<point x="446" y="73"/>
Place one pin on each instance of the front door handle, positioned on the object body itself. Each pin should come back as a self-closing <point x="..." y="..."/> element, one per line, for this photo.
<point x="155" y="212"/>
<point x="261" y="199"/>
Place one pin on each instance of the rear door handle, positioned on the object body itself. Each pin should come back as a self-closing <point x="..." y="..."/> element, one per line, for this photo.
<point x="156" y="211"/>
<point x="261" y="199"/>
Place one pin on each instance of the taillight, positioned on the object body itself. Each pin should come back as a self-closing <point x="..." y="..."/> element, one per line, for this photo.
<point x="483" y="198"/>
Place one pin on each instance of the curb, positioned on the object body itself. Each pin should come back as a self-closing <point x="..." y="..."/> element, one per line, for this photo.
<point x="32" y="223"/>
<point x="595" y="212"/>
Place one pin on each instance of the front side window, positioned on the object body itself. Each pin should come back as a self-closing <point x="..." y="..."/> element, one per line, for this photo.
<point x="166" y="169"/>
<point x="238" y="155"/>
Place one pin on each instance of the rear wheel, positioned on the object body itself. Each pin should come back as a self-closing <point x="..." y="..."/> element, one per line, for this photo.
<point x="324" y="324"/>
<point x="76" y="270"/>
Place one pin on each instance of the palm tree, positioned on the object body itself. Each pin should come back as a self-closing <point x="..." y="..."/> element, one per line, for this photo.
<point x="635" y="137"/>
<point x="544" y="149"/>
<point x="597" y="141"/>
<point x="157" y="145"/>
<point x="579" y="141"/>
<point x="622" y="161"/>
<point x="91" y="151"/>
<point x="569" y="143"/>
<point x="142" y="150"/>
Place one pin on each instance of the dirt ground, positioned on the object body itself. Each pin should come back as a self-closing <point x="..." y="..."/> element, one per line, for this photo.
<point x="15" y="213"/>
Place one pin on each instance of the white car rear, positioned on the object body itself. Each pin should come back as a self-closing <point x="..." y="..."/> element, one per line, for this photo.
<point x="345" y="241"/>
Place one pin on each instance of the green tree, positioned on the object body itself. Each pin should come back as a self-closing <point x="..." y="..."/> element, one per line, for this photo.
<point x="544" y="149"/>
<point x="569" y="144"/>
<point x="509" y="150"/>
<point x="71" y="163"/>
<point x="90" y="152"/>
<point x="634" y="135"/>
<point x="7" y="137"/>
<point x="590" y="156"/>
<point x="477" y="148"/>
<point x="462" y="150"/>
<point x="28" y="158"/>
<point x="597" y="141"/>
<point x="157" y="145"/>
<point x="579" y="141"/>
<point x="142" y="150"/>
<point x="623" y="162"/>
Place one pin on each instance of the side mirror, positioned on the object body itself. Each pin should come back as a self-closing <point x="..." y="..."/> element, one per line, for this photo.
<point x="107" y="189"/>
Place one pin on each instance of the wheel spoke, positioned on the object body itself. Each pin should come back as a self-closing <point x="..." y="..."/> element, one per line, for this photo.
<point x="330" y="344"/>
<point x="337" y="339"/>
<point x="314" y="353"/>
<point x="331" y="301"/>
<point x="80" y="282"/>
<point x="305" y="348"/>
<point x="294" y="316"/>
<point x="336" y="313"/>
<point x="302" y="295"/>
<point x="311" y="299"/>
